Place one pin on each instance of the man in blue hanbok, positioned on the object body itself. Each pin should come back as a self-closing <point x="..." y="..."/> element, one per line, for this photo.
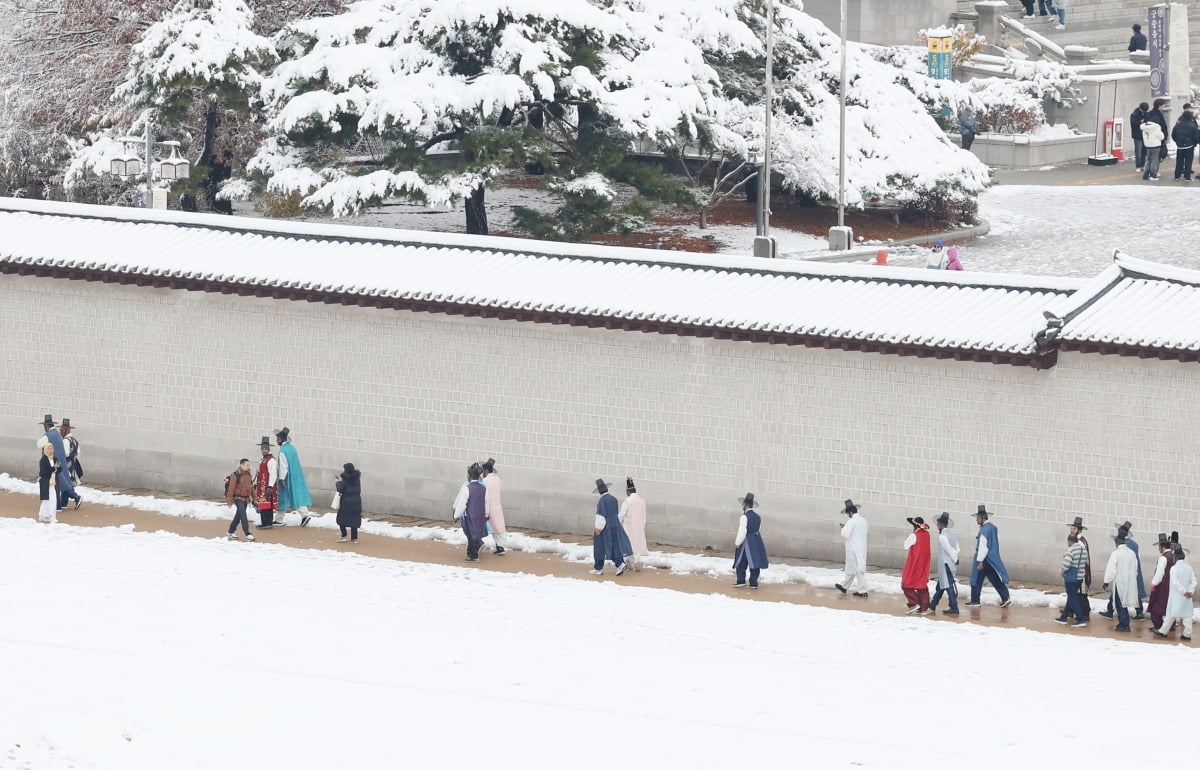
<point x="293" y="489"/>
<point x="609" y="542"/>
<point x="750" y="551"/>
<point x="987" y="562"/>
<point x="471" y="508"/>
<point x="66" y="489"/>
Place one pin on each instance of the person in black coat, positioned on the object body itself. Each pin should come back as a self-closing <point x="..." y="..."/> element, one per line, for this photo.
<point x="1135" y="130"/>
<point x="1186" y="135"/>
<point x="1157" y="116"/>
<point x="349" y="513"/>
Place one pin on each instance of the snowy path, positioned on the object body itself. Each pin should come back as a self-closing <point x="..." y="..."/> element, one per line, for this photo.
<point x="676" y="562"/>
<point x="148" y="650"/>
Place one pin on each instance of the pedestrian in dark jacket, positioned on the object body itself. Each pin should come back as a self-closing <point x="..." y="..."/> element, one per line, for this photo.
<point x="1186" y="136"/>
<point x="1136" y="118"/>
<point x="967" y="126"/>
<point x="1137" y="42"/>
<point x="239" y="492"/>
<point x="349" y="512"/>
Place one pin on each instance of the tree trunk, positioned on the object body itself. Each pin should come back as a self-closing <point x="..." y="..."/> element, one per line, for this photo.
<point x="703" y="217"/>
<point x="477" y="223"/>
<point x="218" y="169"/>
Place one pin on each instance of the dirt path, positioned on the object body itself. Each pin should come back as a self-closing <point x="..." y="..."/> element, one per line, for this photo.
<point x="433" y="552"/>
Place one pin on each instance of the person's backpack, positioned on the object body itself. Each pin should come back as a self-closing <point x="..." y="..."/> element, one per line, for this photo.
<point x="227" y="479"/>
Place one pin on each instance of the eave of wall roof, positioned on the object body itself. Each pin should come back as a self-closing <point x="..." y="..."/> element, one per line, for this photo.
<point x="1061" y="297"/>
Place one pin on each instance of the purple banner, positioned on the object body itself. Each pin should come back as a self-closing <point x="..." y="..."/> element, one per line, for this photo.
<point x="1158" y="50"/>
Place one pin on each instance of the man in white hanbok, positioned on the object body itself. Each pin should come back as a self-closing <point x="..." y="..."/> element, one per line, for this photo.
<point x="1121" y="576"/>
<point x="854" y="532"/>
<point x="1180" y="604"/>
<point x="633" y="521"/>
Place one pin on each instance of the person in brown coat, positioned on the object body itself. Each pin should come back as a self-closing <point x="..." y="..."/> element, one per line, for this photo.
<point x="239" y="492"/>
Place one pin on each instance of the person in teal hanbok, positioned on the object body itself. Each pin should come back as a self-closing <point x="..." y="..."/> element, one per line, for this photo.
<point x="293" y="490"/>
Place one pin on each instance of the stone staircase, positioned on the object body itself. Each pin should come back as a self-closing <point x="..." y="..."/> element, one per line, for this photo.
<point x="1101" y="24"/>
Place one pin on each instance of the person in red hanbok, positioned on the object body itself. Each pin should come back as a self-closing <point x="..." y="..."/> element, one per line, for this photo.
<point x="915" y="579"/>
<point x="264" y="485"/>
<point x="1160" y="584"/>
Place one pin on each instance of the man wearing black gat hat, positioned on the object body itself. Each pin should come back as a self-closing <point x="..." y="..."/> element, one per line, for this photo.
<point x="1084" y="605"/>
<point x="854" y="532"/>
<point x="609" y="541"/>
<point x="66" y="490"/>
<point x="1125" y="531"/>
<point x="749" y="549"/>
<point x="987" y="562"/>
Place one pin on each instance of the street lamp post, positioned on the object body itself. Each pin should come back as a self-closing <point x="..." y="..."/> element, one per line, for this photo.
<point x="168" y="169"/>
<point x="842" y="237"/>
<point x="764" y="244"/>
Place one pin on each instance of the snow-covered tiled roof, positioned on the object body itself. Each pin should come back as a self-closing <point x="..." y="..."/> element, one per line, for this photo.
<point x="1001" y="318"/>
<point x="1134" y="304"/>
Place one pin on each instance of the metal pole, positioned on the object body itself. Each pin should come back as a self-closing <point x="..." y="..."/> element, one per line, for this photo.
<point x="764" y="182"/>
<point x="842" y="129"/>
<point x="149" y="161"/>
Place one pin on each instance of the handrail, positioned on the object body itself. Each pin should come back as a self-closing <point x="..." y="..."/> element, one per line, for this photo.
<point x="1046" y="44"/>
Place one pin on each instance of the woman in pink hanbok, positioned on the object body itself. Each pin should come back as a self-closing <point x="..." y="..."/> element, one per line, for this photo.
<point x="633" y="520"/>
<point x="491" y="480"/>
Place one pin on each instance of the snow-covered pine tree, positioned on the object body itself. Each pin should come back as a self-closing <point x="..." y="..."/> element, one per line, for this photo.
<point x="454" y="91"/>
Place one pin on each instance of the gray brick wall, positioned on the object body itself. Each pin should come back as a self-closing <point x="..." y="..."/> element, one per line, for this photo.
<point x="169" y="388"/>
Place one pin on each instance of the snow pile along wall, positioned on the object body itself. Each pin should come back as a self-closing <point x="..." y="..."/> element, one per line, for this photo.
<point x="169" y="387"/>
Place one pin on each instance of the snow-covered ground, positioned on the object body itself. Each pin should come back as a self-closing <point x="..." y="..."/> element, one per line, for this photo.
<point x="1072" y="231"/>
<point x="149" y="650"/>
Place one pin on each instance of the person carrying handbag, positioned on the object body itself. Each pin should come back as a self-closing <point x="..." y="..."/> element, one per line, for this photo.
<point x="348" y="501"/>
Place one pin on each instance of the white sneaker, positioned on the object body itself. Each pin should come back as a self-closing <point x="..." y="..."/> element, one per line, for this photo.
<point x="232" y="536"/>
<point x="249" y="538"/>
<point x="621" y="569"/>
<point x="596" y="571"/>
<point x="1027" y="16"/>
<point x="1060" y="26"/>
<point x="342" y="539"/>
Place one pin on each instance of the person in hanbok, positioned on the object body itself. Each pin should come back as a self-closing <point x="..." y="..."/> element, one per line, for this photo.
<point x="264" y="485"/>
<point x="914" y="580"/>
<point x="854" y="532"/>
<point x="633" y="519"/>
<point x="471" y="510"/>
<point x="1160" y="584"/>
<point x="609" y="541"/>
<point x="47" y="485"/>
<point x="74" y="467"/>
<point x="1121" y="577"/>
<point x="987" y="562"/>
<point x="750" y="552"/>
<point x="293" y="494"/>
<point x="947" y="564"/>
<point x="66" y="490"/>
<point x="495" y="489"/>
<point x="1180" y="605"/>
<point x="1132" y="545"/>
